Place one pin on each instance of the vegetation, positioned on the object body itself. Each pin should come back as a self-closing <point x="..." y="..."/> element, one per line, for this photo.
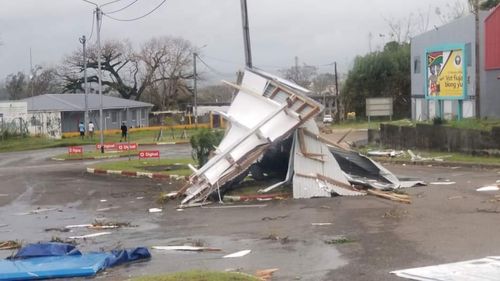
<point x="203" y="143"/>
<point x="162" y="166"/>
<point x="199" y="276"/>
<point x="20" y="143"/>
<point x="384" y="73"/>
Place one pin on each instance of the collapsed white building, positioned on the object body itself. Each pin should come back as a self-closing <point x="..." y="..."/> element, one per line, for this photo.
<point x="268" y="110"/>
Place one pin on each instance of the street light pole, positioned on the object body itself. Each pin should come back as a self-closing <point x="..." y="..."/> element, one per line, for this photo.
<point x="98" y="13"/>
<point x="195" y="91"/>
<point x="246" y="33"/>
<point x="83" y="40"/>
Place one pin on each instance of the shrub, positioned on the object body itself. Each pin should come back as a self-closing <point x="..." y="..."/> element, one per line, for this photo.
<point x="203" y="142"/>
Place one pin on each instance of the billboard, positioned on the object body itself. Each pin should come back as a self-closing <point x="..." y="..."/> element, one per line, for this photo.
<point x="446" y="73"/>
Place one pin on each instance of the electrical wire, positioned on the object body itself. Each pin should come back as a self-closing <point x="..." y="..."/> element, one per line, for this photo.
<point x="121" y="9"/>
<point x="265" y="65"/>
<point x="211" y="68"/>
<point x="110" y="2"/>
<point x="137" y="18"/>
<point x="92" y="29"/>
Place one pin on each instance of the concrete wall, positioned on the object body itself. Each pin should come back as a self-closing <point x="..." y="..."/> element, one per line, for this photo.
<point x="45" y="124"/>
<point x="443" y="138"/>
<point x="12" y="110"/>
<point x="461" y="31"/>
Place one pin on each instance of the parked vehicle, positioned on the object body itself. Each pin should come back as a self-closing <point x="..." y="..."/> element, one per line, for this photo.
<point x="327" y="118"/>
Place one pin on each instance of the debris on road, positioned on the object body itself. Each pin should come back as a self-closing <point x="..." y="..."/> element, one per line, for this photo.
<point x="473" y="270"/>
<point x="107" y="209"/>
<point x="416" y="157"/>
<point x="274" y="218"/>
<point x="186" y="248"/>
<point x="39" y="211"/>
<point x="155" y="210"/>
<point x="321" y="223"/>
<point x="385" y="153"/>
<point x="238" y="254"/>
<point x="339" y="240"/>
<point x="59" y="229"/>
<point x="443" y="183"/>
<point x="265" y="274"/>
<point x="403" y="198"/>
<point x="10" y="245"/>
<point x="488" y="188"/>
<point x="273" y="237"/>
<point x="237" y="206"/>
<point x="90" y="235"/>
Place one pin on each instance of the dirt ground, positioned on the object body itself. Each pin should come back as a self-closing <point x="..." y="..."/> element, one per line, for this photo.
<point x="444" y="223"/>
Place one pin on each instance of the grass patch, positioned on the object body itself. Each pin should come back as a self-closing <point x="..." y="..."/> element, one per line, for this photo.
<point x="161" y="166"/>
<point x="140" y="137"/>
<point x="199" y="276"/>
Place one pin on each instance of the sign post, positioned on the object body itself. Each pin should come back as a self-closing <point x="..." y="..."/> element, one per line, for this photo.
<point x="379" y="107"/>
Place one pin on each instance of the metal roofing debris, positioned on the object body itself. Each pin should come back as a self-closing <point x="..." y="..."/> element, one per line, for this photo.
<point x="266" y="111"/>
<point x="76" y="102"/>
<point x="488" y="188"/>
<point x="238" y="254"/>
<point x="474" y="270"/>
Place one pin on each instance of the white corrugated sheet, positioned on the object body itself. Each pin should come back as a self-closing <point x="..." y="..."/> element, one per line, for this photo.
<point x="309" y="172"/>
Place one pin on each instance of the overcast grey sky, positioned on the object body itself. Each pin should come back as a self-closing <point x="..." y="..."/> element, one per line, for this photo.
<point x="317" y="31"/>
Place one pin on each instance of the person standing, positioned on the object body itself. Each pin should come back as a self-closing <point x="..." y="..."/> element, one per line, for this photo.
<point x="81" y="128"/>
<point x="91" y="130"/>
<point x="124" y="131"/>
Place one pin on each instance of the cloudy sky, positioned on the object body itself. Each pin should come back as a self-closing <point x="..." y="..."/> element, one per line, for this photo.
<point x="318" y="32"/>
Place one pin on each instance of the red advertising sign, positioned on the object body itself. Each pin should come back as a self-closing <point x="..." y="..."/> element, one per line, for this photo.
<point x="149" y="154"/>
<point x="126" y="146"/>
<point x="107" y="146"/>
<point x="75" y="150"/>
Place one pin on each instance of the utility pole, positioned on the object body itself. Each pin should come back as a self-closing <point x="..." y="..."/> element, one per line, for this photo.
<point x="195" y="90"/>
<point x="337" y="98"/>
<point x="477" y="59"/>
<point x="32" y="75"/>
<point x="83" y="40"/>
<point x="246" y="34"/>
<point x="296" y="69"/>
<point x="98" y="14"/>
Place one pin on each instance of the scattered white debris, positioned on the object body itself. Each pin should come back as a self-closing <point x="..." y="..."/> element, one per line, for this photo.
<point x="107" y="209"/>
<point x="78" y="226"/>
<point x="420" y="158"/>
<point x="90" y="235"/>
<point x="155" y="210"/>
<point x="385" y="153"/>
<point x="238" y="254"/>
<point x="443" y="183"/>
<point x="488" y="188"/>
<point x="486" y="269"/>
<point x="103" y="200"/>
<point x="179" y="210"/>
<point x="185" y="248"/>
<point x="321" y="223"/>
<point x="139" y="198"/>
<point x="38" y="211"/>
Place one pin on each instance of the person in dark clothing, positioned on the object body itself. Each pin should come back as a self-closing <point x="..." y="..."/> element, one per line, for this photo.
<point x="124" y="131"/>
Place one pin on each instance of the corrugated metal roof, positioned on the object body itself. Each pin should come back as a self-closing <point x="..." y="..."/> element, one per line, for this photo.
<point x="311" y="171"/>
<point x="76" y="102"/>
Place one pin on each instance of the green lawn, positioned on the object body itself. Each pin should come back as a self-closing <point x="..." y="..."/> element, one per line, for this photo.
<point x="140" y="137"/>
<point x="162" y="166"/>
<point x="199" y="276"/>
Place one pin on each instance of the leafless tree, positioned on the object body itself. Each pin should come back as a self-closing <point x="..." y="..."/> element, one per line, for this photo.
<point x="300" y="74"/>
<point x="160" y="69"/>
<point x="21" y="85"/>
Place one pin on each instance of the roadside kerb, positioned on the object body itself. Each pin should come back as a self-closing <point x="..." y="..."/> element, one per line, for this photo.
<point x="135" y="174"/>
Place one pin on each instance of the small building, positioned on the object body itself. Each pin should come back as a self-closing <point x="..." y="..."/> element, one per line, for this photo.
<point x="65" y="111"/>
<point x="443" y="68"/>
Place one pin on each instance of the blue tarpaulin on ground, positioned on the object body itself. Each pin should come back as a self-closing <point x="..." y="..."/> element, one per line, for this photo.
<point x="59" y="260"/>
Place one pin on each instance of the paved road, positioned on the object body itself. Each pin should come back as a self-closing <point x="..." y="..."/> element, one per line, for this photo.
<point x="442" y="225"/>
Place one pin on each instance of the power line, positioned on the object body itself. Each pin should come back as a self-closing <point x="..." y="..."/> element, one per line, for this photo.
<point x="110" y="2"/>
<point x="121" y="9"/>
<point x="211" y="68"/>
<point x="92" y="29"/>
<point x="137" y="18"/>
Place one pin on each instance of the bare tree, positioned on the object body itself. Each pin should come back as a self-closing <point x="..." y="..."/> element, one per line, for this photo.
<point x="300" y="74"/>
<point x="160" y="67"/>
<point x="20" y="85"/>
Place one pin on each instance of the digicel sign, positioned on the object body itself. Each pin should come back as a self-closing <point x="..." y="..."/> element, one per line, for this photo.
<point x="149" y="154"/>
<point x="126" y="146"/>
<point x="75" y="150"/>
<point x="107" y="146"/>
